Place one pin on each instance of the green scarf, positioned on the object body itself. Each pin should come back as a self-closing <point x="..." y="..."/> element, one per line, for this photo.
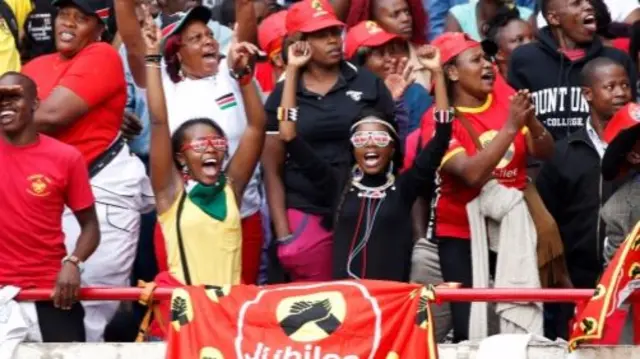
<point x="210" y="199"/>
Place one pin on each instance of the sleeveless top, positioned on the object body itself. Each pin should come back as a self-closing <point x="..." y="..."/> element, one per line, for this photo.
<point x="212" y="247"/>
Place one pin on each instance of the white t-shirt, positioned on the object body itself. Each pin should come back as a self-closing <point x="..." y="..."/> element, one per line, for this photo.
<point x="218" y="98"/>
<point x="619" y="10"/>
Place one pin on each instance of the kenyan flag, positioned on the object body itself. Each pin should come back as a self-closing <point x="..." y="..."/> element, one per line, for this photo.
<point x="227" y="101"/>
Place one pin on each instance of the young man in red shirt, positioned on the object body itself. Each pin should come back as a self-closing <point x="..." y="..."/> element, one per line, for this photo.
<point x="41" y="177"/>
<point x="83" y="93"/>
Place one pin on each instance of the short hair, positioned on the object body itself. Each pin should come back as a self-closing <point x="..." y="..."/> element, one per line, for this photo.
<point x="544" y="7"/>
<point x="503" y="17"/>
<point x="594" y="65"/>
<point x="29" y="86"/>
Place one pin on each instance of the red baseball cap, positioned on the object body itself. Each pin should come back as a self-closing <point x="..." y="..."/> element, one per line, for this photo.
<point x="366" y="33"/>
<point x="310" y="16"/>
<point x="272" y="31"/>
<point x="452" y="44"/>
<point x="621" y="133"/>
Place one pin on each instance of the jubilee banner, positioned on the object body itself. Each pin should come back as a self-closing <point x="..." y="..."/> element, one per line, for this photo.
<point x="332" y="320"/>
<point x="601" y="319"/>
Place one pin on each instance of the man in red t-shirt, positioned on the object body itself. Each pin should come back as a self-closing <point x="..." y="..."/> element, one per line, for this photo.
<point x="83" y="93"/>
<point x="42" y="176"/>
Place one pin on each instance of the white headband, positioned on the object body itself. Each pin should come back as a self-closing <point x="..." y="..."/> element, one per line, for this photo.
<point x="374" y="120"/>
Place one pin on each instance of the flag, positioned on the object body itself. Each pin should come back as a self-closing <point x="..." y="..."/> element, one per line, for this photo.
<point x="333" y="320"/>
<point x="601" y="319"/>
<point x="227" y="101"/>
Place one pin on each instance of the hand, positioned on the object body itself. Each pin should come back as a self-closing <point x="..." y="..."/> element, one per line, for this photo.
<point x="151" y="34"/>
<point x="399" y="75"/>
<point x="241" y="56"/>
<point x="131" y="126"/>
<point x="298" y="54"/>
<point x="67" y="287"/>
<point x="520" y="110"/>
<point x="429" y="57"/>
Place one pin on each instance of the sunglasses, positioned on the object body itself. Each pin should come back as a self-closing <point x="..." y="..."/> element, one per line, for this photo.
<point x="200" y="145"/>
<point x="379" y="138"/>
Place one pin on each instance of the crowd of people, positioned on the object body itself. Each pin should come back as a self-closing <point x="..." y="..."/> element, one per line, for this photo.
<point x="486" y="142"/>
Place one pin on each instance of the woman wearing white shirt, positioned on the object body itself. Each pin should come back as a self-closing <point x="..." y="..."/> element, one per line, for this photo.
<point x="197" y="84"/>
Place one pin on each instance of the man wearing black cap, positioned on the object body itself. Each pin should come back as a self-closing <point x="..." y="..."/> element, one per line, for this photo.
<point x="83" y="93"/>
<point x="622" y="158"/>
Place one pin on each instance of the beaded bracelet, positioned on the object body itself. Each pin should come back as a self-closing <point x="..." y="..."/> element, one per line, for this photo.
<point x="443" y="116"/>
<point x="154" y="59"/>
<point x="288" y="114"/>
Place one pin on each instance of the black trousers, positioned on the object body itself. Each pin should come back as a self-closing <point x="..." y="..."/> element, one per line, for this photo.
<point x="61" y="326"/>
<point x="455" y="264"/>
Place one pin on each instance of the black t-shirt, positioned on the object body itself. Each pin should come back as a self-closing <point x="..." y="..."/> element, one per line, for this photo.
<point x="38" y="28"/>
<point x="324" y="123"/>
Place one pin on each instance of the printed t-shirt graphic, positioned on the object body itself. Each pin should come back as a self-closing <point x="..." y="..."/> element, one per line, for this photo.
<point x="344" y="320"/>
<point x="452" y="195"/>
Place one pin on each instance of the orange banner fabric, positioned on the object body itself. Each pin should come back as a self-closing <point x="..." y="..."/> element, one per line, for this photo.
<point x="333" y="320"/>
<point x="601" y="320"/>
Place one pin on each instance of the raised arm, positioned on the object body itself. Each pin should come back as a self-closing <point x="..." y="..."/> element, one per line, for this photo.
<point x="130" y="33"/>
<point x="420" y="178"/>
<point x="244" y="161"/>
<point x="247" y="26"/>
<point x="165" y="177"/>
<point x="315" y="169"/>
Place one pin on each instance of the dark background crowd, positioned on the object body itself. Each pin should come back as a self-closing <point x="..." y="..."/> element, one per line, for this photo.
<point x="182" y="142"/>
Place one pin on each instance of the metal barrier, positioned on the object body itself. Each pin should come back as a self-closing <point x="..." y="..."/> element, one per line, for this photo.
<point x="443" y="295"/>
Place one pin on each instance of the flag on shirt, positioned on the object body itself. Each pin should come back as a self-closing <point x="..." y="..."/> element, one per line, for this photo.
<point x="342" y="319"/>
<point x="601" y="320"/>
<point x="227" y="101"/>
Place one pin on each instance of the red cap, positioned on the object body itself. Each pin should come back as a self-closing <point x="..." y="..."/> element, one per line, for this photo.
<point x="366" y="33"/>
<point x="272" y="31"/>
<point x="621" y="133"/>
<point x="452" y="44"/>
<point x="310" y="16"/>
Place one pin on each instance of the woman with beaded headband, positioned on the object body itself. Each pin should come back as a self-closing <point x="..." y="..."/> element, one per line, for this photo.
<point x="372" y="227"/>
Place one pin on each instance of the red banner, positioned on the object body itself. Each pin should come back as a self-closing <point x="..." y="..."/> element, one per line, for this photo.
<point x="333" y="320"/>
<point x="601" y="320"/>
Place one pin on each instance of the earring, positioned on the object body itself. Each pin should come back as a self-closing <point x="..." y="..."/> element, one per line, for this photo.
<point x="356" y="173"/>
<point x="185" y="173"/>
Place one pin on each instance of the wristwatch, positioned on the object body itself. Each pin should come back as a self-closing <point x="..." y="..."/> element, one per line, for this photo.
<point x="75" y="261"/>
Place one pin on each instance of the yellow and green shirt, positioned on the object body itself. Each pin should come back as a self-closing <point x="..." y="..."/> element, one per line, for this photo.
<point x="212" y="247"/>
<point x="9" y="55"/>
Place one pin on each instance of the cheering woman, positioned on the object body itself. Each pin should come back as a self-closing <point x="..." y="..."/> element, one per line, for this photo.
<point x="492" y="138"/>
<point x="372" y="228"/>
<point x="198" y="202"/>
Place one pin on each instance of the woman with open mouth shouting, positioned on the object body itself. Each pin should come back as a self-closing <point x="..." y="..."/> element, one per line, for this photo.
<point x="372" y="224"/>
<point x="197" y="84"/>
<point x="197" y="201"/>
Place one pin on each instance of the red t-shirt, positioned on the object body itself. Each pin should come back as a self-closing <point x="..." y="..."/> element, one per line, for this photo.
<point x="452" y="196"/>
<point x="96" y="75"/>
<point x="38" y="181"/>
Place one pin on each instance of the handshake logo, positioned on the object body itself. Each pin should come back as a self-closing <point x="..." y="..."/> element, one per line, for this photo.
<point x="313" y="317"/>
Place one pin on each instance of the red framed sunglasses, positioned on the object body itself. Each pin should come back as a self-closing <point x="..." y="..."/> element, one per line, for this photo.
<point x="200" y="145"/>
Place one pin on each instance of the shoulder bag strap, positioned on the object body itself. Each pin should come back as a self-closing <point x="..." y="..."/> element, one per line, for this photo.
<point x="475" y="137"/>
<point x="183" y="255"/>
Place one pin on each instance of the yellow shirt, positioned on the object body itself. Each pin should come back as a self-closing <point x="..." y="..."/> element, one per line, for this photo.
<point x="213" y="248"/>
<point x="9" y="55"/>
